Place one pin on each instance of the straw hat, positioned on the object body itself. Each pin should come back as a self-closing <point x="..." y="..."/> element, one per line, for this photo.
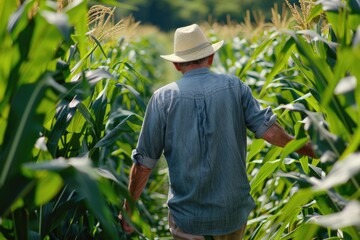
<point x="190" y="43"/>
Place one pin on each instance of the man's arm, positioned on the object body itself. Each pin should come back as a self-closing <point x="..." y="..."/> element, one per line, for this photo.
<point x="139" y="175"/>
<point x="276" y="135"/>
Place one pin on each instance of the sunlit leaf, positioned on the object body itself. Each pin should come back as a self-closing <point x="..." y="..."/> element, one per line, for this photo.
<point x="292" y="146"/>
<point x="281" y="61"/>
<point x="332" y="5"/>
<point x="265" y="171"/>
<point x="306" y="231"/>
<point x="125" y="126"/>
<point x="49" y="184"/>
<point x="341" y="172"/>
<point x="84" y="180"/>
<point x="345" y="85"/>
<point x="304" y="161"/>
<point x="95" y="76"/>
<point x="349" y="216"/>
<point x="255" y="146"/>
<point x="63" y="118"/>
<point x="60" y="20"/>
<point x="315" y="11"/>
<point x="135" y="93"/>
<point x="24" y="124"/>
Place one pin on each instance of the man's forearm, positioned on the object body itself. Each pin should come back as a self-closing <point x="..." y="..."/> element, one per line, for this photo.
<point x="139" y="175"/>
<point x="276" y="135"/>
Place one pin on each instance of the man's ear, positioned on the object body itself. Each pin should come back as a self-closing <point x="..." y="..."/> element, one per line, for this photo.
<point x="177" y="66"/>
<point x="210" y="59"/>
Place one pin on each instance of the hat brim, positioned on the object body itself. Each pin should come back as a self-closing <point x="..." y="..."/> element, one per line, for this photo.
<point x="194" y="55"/>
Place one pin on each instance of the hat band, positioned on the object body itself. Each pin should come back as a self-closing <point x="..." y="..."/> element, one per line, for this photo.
<point x="197" y="48"/>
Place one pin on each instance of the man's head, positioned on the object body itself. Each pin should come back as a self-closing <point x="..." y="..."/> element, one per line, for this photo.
<point x="191" y="44"/>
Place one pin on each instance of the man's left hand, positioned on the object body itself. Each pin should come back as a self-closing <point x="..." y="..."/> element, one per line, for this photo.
<point x="127" y="228"/>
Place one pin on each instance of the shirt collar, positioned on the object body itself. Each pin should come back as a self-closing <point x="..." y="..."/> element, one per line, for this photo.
<point x="196" y="72"/>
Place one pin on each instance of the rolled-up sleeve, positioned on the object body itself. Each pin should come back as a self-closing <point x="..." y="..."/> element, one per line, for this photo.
<point x="151" y="139"/>
<point x="268" y="120"/>
<point x="257" y="120"/>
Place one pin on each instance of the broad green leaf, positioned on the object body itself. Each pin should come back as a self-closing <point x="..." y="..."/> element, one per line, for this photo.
<point x="94" y="76"/>
<point x="24" y="124"/>
<point x="6" y="52"/>
<point x="255" y="147"/>
<point x="63" y="118"/>
<point x="86" y="184"/>
<point x="290" y="211"/>
<point x="347" y="217"/>
<point x="19" y="19"/>
<point x="6" y="8"/>
<point x="315" y="12"/>
<point x="125" y="126"/>
<point x="78" y="173"/>
<point x="77" y="12"/>
<point x="135" y="93"/>
<point x="304" y="161"/>
<point x="265" y="171"/>
<point x="100" y="108"/>
<point x="319" y="66"/>
<point x="50" y="34"/>
<point x="305" y="231"/>
<point x="48" y="185"/>
<point x="60" y="21"/>
<point x="77" y="123"/>
<point x="281" y="61"/>
<point x="310" y="99"/>
<point x="332" y="6"/>
<point x="295" y="204"/>
<point x="306" y="72"/>
<point x="321" y="137"/>
<point x="89" y="118"/>
<point x="341" y="172"/>
<point x="299" y="178"/>
<point x="345" y="85"/>
<point x="292" y="146"/>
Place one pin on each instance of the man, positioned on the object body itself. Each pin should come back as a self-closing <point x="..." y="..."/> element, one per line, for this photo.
<point x="199" y="123"/>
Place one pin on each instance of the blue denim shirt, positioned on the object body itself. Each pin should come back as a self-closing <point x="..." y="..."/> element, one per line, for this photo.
<point x="199" y="123"/>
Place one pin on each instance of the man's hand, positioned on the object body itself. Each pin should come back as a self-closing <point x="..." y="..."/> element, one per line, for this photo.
<point x="139" y="176"/>
<point x="124" y="224"/>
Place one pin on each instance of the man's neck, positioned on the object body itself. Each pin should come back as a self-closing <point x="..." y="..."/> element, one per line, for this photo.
<point x="185" y="68"/>
<point x="193" y="67"/>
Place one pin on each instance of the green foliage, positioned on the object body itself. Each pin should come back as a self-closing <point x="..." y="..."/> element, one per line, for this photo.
<point x="311" y="78"/>
<point x="186" y="12"/>
<point x="72" y="105"/>
<point x="70" y="108"/>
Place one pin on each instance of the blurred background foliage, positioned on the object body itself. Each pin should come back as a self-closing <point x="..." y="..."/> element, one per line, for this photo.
<point x="168" y="14"/>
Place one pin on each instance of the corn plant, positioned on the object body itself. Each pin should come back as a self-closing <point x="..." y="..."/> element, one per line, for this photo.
<point x="70" y="104"/>
<point x="310" y="77"/>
